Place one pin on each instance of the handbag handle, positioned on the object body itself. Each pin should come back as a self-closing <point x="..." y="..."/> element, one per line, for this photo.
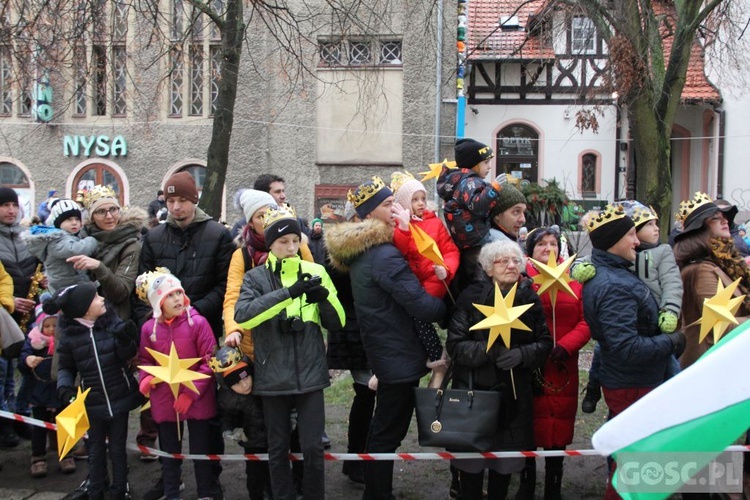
<point x="444" y="385"/>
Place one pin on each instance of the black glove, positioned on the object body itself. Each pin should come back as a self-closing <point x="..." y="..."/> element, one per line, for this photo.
<point x="66" y="394"/>
<point x="316" y="294"/>
<point x="126" y="333"/>
<point x="508" y="359"/>
<point x="558" y="353"/>
<point x="678" y="343"/>
<point x="302" y="285"/>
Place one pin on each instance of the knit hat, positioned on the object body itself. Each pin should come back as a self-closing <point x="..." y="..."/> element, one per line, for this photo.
<point x="368" y="196"/>
<point x="404" y="185"/>
<point x="51" y="193"/>
<point x="508" y="196"/>
<point x="639" y="212"/>
<point x="693" y="213"/>
<point x="608" y="227"/>
<point x="74" y="301"/>
<point x="279" y="221"/>
<point x="98" y="196"/>
<point x="239" y="372"/>
<point x="181" y="184"/>
<point x="251" y="200"/>
<point x="153" y="288"/>
<point x="62" y="210"/>
<point x="536" y="235"/>
<point x="316" y="219"/>
<point x="470" y="153"/>
<point x="7" y="194"/>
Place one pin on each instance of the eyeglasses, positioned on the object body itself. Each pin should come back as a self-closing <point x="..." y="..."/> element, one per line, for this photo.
<point x="102" y="212"/>
<point x="506" y="261"/>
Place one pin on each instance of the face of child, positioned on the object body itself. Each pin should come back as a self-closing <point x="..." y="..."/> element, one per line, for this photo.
<point x="71" y="225"/>
<point x="649" y="233"/>
<point x="483" y="168"/>
<point x="48" y="326"/>
<point x="173" y="304"/>
<point x="285" y="246"/>
<point x="418" y="203"/>
<point x="244" y="386"/>
<point x="97" y="308"/>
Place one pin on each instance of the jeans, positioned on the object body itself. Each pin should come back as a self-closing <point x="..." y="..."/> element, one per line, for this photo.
<point x="116" y="430"/>
<point x="199" y="437"/>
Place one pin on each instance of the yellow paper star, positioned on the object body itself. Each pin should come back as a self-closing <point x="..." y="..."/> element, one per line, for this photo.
<point x="72" y="424"/>
<point x="173" y="370"/>
<point x="719" y="311"/>
<point x="426" y="246"/>
<point x="553" y="277"/>
<point x="436" y="168"/>
<point x="502" y="317"/>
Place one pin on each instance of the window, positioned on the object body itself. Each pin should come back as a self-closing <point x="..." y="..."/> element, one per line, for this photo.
<point x="12" y="176"/>
<point x="6" y="76"/>
<point x="583" y="36"/>
<point x="588" y="173"/>
<point x="360" y="52"/>
<point x="99" y="174"/>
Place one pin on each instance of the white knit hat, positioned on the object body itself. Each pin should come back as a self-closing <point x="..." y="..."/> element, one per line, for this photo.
<point x="404" y="185"/>
<point x="251" y="200"/>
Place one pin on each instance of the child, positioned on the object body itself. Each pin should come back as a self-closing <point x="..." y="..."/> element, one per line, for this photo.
<point x="285" y="301"/>
<point x="53" y="245"/>
<point x="411" y="195"/>
<point x="242" y="413"/>
<point x="96" y="345"/>
<point x="174" y="321"/>
<point x="35" y="365"/>
<point x="655" y="265"/>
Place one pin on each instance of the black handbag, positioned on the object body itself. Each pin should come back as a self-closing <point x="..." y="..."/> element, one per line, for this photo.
<point x="457" y="419"/>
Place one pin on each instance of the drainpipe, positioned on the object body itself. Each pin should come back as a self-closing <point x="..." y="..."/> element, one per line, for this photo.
<point x="617" y="154"/>
<point x="720" y="158"/>
<point x="438" y="78"/>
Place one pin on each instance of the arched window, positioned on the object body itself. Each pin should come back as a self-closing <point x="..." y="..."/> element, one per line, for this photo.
<point x="98" y="174"/>
<point x="588" y="173"/>
<point x="13" y="177"/>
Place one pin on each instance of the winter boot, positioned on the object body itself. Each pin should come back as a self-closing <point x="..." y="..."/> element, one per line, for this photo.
<point x="527" y="485"/>
<point x="553" y="478"/>
<point x="593" y="393"/>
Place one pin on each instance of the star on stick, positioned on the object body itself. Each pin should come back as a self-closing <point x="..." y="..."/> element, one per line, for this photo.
<point x="501" y="317"/>
<point x="719" y="311"/>
<point x="173" y="370"/>
<point x="553" y="277"/>
<point x="72" y="424"/>
<point x="436" y="168"/>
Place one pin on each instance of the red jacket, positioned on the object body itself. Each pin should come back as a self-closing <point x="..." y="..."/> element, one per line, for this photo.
<point x="421" y="266"/>
<point x="555" y="409"/>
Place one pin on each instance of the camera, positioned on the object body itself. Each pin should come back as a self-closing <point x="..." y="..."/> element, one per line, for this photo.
<point x="315" y="280"/>
<point x="291" y="324"/>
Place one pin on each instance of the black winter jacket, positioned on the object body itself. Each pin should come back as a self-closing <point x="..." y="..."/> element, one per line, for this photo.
<point x="468" y="350"/>
<point x="40" y="386"/>
<point x="102" y="363"/>
<point x="242" y="410"/>
<point x="199" y="256"/>
<point x="17" y="260"/>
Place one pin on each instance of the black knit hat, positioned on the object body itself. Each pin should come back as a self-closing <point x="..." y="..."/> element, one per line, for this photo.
<point x="279" y="221"/>
<point x="74" y="301"/>
<point x="469" y="153"/>
<point x="241" y="371"/>
<point x="7" y="194"/>
<point x="536" y="235"/>
<point x="608" y="227"/>
<point x="64" y="209"/>
<point x="508" y="196"/>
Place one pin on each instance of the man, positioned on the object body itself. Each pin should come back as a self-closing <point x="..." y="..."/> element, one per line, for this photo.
<point x="317" y="248"/>
<point x="197" y="250"/>
<point x="387" y="298"/>
<point x="275" y="186"/>
<point x="624" y="317"/>
<point x="157" y="210"/>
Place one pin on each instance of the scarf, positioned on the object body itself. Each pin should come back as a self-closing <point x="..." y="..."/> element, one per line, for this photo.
<point x="111" y="243"/>
<point x="255" y="245"/>
<point x="725" y="255"/>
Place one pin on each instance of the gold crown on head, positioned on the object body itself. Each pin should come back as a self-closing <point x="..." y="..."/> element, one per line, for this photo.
<point x="398" y="179"/>
<point x="689" y="206"/>
<point x="365" y="191"/>
<point x="277" y="212"/>
<point x="96" y="193"/>
<point x="609" y="214"/>
<point x="143" y="281"/>
<point x="225" y="359"/>
<point x="643" y="214"/>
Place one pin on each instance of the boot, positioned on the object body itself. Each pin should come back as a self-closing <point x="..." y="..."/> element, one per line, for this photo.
<point x="593" y="393"/>
<point x="360" y="416"/>
<point x="8" y="436"/>
<point x="527" y="484"/>
<point x="553" y="478"/>
<point x="497" y="485"/>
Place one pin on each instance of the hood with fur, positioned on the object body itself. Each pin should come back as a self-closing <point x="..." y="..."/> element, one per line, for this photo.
<point x="348" y="240"/>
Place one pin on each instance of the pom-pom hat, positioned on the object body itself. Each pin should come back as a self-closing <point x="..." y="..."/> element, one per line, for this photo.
<point x="74" y="301"/>
<point x="404" y="185"/>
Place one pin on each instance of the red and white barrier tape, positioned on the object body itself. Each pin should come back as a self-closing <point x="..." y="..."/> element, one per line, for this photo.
<point x="28" y="420"/>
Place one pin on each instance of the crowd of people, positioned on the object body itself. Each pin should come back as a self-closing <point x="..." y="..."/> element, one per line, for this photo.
<point x="125" y="289"/>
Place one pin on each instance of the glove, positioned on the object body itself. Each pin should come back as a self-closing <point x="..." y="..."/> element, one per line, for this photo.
<point x="145" y="385"/>
<point x="66" y="394"/>
<point x="678" y="343"/>
<point x="667" y="321"/>
<point x="237" y="434"/>
<point x="501" y="180"/>
<point x="559" y="353"/>
<point x="509" y="359"/>
<point x="441" y="273"/>
<point x="126" y="333"/>
<point x="182" y="404"/>
<point x="583" y="272"/>
<point x="302" y="285"/>
<point x="316" y="294"/>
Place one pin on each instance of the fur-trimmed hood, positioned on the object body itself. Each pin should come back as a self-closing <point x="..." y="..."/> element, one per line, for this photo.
<point x="348" y="240"/>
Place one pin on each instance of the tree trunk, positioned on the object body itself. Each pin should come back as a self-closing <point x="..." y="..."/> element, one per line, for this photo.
<point x="221" y="134"/>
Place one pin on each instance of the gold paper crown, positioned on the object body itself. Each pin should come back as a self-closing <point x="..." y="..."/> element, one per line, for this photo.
<point x="689" y="206"/>
<point x="96" y="193"/>
<point x="609" y="214"/>
<point x="143" y="281"/>
<point x="643" y="214"/>
<point x="366" y="191"/>
<point x="275" y="213"/>
<point x="398" y="179"/>
<point x="225" y="359"/>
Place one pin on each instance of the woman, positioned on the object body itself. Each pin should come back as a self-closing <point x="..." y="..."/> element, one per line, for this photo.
<point x="502" y="263"/>
<point x="556" y="401"/>
<point x="705" y="254"/>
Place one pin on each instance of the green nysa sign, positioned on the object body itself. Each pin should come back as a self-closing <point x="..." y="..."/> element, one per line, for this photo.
<point x="43" y="100"/>
<point x="98" y="145"/>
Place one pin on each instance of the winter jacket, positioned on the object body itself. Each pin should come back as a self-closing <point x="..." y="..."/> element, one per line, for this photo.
<point x="41" y="387"/>
<point x="345" y="350"/>
<point x="623" y="317"/>
<point x="193" y="338"/>
<point x="102" y="363"/>
<point x="387" y="298"/>
<point x="657" y="268"/>
<point x="53" y="246"/>
<point x="468" y="350"/>
<point x="556" y="406"/>
<point x="242" y="410"/>
<point x="198" y="255"/>
<point x="287" y="361"/>
<point x="739" y="241"/>
<point x="6" y="290"/>
<point x="17" y="259"/>
<point x="469" y="199"/>
<point x="317" y="248"/>
<point x="422" y="267"/>
<point x="118" y="251"/>
<point x="701" y="279"/>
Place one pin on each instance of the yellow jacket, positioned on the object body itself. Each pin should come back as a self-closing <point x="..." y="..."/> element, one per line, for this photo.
<point x="6" y="290"/>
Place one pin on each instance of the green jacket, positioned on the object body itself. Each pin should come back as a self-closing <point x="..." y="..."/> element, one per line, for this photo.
<point x="287" y="361"/>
